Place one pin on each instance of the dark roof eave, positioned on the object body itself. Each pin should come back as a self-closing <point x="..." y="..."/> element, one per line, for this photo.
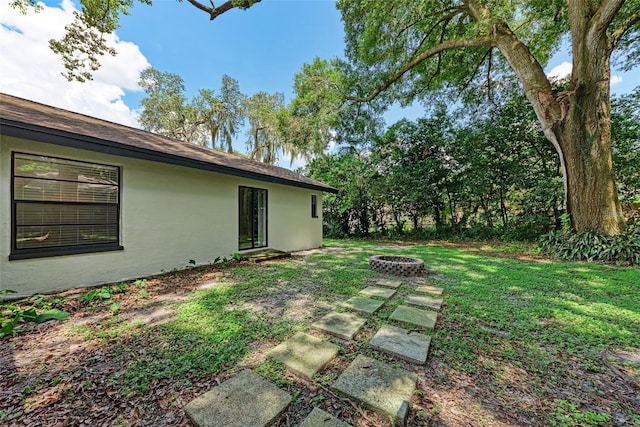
<point x="67" y="139"/>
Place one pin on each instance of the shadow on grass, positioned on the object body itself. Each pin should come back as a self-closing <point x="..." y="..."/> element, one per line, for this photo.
<point x="528" y="332"/>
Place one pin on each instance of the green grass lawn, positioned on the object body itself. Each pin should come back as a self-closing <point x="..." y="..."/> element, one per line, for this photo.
<point x="523" y="341"/>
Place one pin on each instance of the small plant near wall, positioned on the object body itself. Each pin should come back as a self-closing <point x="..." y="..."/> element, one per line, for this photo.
<point x="11" y="315"/>
<point x="100" y="294"/>
<point x="140" y="283"/>
<point x="224" y="261"/>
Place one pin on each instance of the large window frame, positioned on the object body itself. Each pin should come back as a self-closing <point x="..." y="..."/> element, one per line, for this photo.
<point x="253" y="218"/>
<point x="62" y="206"/>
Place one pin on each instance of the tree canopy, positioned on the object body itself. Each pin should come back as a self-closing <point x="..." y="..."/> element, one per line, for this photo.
<point x="404" y="50"/>
<point x="205" y="119"/>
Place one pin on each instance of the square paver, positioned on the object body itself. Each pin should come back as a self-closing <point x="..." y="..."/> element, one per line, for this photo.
<point x="366" y="305"/>
<point x="304" y="354"/>
<point x="389" y="283"/>
<point x="320" y="418"/>
<point x="341" y="325"/>
<point x="380" y="386"/>
<point x="244" y="400"/>
<point x="376" y="291"/>
<point x="415" y="316"/>
<point x="424" y="301"/>
<point x="427" y="289"/>
<point x="411" y="346"/>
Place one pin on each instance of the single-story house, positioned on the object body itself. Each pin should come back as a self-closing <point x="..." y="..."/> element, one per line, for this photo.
<point x="84" y="202"/>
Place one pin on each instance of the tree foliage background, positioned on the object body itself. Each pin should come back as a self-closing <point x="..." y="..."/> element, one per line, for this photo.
<point x="481" y="170"/>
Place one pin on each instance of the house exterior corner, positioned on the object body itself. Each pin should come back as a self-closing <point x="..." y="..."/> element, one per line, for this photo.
<point x="167" y="216"/>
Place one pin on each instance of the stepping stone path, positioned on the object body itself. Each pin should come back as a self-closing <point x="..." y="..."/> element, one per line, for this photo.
<point x="249" y="400"/>
<point x="319" y="418"/>
<point x="366" y="305"/>
<point x="304" y="354"/>
<point x="388" y="283"/>
<point x="341" y="325"/>
<point x="245" y="400"/>
<point x="410" y="346"/>
<point x="378" y="385"/>
<point x="375" y="291"/>
<point x="429" y="290"/>
<point x="415" y="316"/>
<point x="424" y="301"/>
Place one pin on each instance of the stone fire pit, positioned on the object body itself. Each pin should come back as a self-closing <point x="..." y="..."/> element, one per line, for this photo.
<point x="396" y="265"/>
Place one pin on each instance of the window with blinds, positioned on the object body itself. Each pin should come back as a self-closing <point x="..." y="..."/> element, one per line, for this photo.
<point x="60" y="204"/>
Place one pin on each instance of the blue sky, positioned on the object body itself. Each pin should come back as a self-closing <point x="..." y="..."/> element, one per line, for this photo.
<point x="262" y="48"/>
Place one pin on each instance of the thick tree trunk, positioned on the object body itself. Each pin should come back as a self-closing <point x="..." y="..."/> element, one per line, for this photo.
<point x="577" y="121"/>
<point x="584" y="130"/>
<point x="584" y="135"/>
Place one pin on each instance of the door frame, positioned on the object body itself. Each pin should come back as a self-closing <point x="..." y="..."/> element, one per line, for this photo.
<point x="254" y="217"/>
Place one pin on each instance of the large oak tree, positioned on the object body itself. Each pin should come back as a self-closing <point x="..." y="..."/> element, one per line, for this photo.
<point x="406" y="48"/>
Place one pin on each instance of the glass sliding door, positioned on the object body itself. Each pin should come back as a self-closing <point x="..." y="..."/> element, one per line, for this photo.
<point x="245" y="239"/>
<point x="252" y="218"/>
<point x="260" y="218"/>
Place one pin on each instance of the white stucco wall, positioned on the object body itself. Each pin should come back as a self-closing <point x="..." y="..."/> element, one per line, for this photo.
<point x="168" y="215"/>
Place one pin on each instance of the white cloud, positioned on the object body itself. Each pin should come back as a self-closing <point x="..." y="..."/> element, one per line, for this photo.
<point x="561" y="71"/>
<point x="564" y="69"/>
<point x="30" y="70"/>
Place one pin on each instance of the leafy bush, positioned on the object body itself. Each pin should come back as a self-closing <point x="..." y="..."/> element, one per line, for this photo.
<point x="103" y="293"/>
<point x="589" y="246"/>
<point x="11" y="315"/>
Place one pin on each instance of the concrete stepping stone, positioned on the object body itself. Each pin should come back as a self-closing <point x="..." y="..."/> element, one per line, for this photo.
<point x="424" y="301"/>
<point x="427" y="289"/>
<point x="341" y="325"/>
<point x="320" y="418"/>
<point x="398" y="342"/>
<point x="415" y="316"/>
<point x="244" y="400"/>
<point x="365" y="305"/>
<point x="380" y="386"/>
<point x="304" y="354"/>
<point x="389" y="283"/>
<point x="376" y="291"/>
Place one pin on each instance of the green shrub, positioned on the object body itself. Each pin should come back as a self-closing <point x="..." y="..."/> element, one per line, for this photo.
<point x="589" y="246"/>
<point x="11" y="315"/>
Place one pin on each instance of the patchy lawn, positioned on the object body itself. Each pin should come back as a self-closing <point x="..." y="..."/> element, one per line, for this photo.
<point x="520" y="340"/>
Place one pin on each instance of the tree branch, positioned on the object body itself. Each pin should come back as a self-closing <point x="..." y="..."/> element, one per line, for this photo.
<point x="605" y="15"/>
<point x="202" y="7"/>
<point x="454" y="9"/>
<point x="623" y="28"/>
<point x="475" y="71"/>
<point x="442" y="35"/>
<point x="214" y="11"/>
<point x="443" y="20"/>
<point x="437" y="70"/>
<point x="448" y="45"/>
